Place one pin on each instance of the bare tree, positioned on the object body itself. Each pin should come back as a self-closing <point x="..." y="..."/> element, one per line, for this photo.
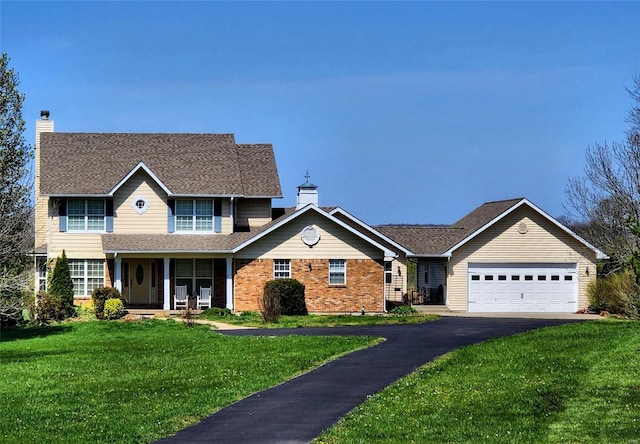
<point x="607" y="199"/>
<point x="16" y="201"/>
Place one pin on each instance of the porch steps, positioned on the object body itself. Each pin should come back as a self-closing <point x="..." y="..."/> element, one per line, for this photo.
<point x="148" y="313"/>
<point x="428" y="309"/>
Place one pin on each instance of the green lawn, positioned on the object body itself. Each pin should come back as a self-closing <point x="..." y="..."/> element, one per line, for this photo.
<point x="127" y="382"/>
<point x="577" y="383"/>
<point x="250" y="319"/>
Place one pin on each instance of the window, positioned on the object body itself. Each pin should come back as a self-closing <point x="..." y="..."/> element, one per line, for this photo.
<point x="528" y="277"/>
<point x="388" y="272"/>
<point x="515" y="277"/>
<point x="194" y="273"/>
<point x="542" y="277"/>
<point x="475" y="277"/>
<point x="86" y="215"/>
<point x="555" y="277"/>
<point x="194" y="215"/>
<point x="42" y="273"/>
<point x="337" y="272"/>
<point x="568" y="277"/>
<point x="502" y="277"/>
<point x="86" y="274"/>
<point x="281" y="268"/>
<point x="488" y="277"/>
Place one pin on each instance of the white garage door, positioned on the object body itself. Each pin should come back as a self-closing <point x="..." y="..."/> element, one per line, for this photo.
<point x="503" y="288"/>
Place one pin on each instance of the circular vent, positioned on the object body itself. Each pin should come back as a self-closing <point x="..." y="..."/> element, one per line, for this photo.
<point x="140" y="204"/>
<point x="523" y="228"/>
<point x="310" y="235"/>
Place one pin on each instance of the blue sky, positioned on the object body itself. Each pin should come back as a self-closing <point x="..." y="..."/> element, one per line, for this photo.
<point x="403" y="112"/>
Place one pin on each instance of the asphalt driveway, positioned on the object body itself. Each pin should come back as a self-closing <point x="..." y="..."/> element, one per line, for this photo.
<point x="298" y="410"/>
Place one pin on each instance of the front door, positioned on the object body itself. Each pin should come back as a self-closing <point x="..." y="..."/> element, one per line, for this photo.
<point x="139" y="281"/>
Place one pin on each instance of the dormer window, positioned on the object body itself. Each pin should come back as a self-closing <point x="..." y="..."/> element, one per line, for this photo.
<point x="86" y="215"/>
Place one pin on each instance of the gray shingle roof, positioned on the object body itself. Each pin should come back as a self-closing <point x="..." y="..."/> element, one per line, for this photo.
<point x="425" y="240"/>
<point x="187" y="164"/>
<point x="158" y="243"/>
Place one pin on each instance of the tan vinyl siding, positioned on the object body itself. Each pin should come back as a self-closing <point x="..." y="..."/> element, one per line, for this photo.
<point x="335" y="242"/>
<point x="76" y="245"/>
<point x="41" y="202"/>
<point x="502" y="243"/>
<point x="253" y="212"/>
<point x="154" y="220"/>
<point x="126" y="220"/>
<point x="41" y="219"/>
<point x="226" y="227"/>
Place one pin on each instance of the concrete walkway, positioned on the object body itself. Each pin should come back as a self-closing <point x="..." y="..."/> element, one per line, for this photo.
<point x="298" y="410"/>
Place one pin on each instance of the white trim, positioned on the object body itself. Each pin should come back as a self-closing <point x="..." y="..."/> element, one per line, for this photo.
<point x="300" y="212"/>
<point x="370" y="229"/>
<point x="288" y="270"/>
<point x="145" y="206"/>
<point x="166" y="284"/>
<point x="599" y="254"/>
<point x="138" y="167"/>
<point x="344" y="272"/>
<point x="229" y="283"/>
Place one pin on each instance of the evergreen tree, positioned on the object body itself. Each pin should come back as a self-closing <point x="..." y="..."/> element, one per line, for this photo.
<point x="61" y="284"/>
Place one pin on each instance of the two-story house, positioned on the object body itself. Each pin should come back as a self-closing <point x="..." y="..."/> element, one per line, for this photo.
<point x="148" y="212"/>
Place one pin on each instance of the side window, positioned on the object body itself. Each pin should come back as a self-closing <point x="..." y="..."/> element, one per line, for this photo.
<point x="337" y="272"/>
<point x="281" y="268"/>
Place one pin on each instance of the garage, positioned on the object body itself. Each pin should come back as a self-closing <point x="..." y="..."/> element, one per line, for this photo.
<point x="522" y="287"/>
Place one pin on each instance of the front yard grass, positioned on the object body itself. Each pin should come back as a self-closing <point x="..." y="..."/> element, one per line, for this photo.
<point x="134" y="382"/>
<point x="252" y="319"/>
<point x="576" y="383"/>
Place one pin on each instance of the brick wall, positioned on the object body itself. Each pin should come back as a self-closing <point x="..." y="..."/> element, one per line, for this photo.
<point x="365" y="284"/>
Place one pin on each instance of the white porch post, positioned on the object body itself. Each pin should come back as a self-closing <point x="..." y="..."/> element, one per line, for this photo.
<point x="230" y="283"/>
<point x="117" y="278"/>
<point x="166" y="303"/>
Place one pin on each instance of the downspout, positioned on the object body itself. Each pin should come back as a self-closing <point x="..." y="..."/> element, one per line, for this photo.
<point x="232" y="210"/>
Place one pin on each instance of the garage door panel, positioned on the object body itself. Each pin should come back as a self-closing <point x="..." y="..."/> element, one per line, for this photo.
<point x="522" y="288"/>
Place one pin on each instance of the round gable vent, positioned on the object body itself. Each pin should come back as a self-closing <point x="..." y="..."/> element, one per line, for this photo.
<point x="523" y="228"/>
<point x="310" y="235"/>
<point x="140" y="204"/>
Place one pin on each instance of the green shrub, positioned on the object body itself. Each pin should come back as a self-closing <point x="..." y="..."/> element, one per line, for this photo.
<point x="49" y="307"/>
<point x="101" y="295"/>
<point x="216" y="312"/>
<point x="290" y="295"/>
<point x="61" y="285"/>
<point x="113" y="309"/>
<point x="403" y="310"/>
<point x="617" y="294"/>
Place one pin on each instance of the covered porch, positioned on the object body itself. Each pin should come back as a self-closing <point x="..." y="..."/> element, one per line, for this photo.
<point x="150" y="282"/>
<point x="146" y="269"/>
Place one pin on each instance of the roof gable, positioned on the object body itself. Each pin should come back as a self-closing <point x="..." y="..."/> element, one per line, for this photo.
<point x="366" y="229"/>
<point x="488" y="214"/>
<point x="289" y="216"/>
<point x="186" y="164"/>
<point x="443" y="240"/>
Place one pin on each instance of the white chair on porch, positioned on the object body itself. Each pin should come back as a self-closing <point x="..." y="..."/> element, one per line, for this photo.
<point x="204" y="298"/>
<point x="181" y="299"/>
